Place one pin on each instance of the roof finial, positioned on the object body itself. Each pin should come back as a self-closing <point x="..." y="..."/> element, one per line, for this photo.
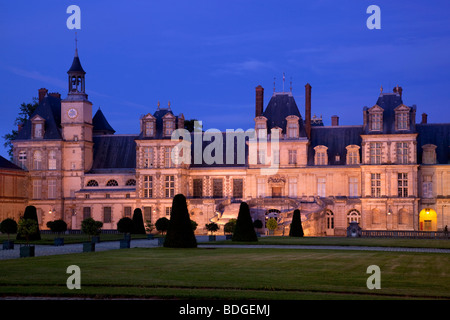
<point x="274" y="85"/>
<point x="381" y="90"/>
<point x="76" y="45"/>
<point x="291" y="85"/>
<point x="169" y="104"/>
<point x="158" y="104"/>
<point x="283" y="81"/>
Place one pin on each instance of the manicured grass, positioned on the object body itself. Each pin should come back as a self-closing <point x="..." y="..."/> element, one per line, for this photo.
<point x="233" y="273"/>
<point x="47" y="239"/>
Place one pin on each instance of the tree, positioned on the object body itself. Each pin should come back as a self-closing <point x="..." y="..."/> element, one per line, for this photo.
<point x="26" y="110"/>
<point x="8" y="226"/>
<point x="162" y="224"/>
<point x="189" y="125"/>
<point x="125" y="225"/>
<point x="296" y="225"/>
<point x="180" y="233"/>
<point x="31" y="214"/>
<point x="258" y="224"/>
<point x="229" y="226"/>
<point x="57" y="226"/>
<point x="212" y="227"/>
<point x="27" y="228"/>
<point x="91" y="227"/>
<point x="138" y="222"/>
<point x="271" y="224"/>
<point x="194" y="225"/>
<point x="244" y="230"/>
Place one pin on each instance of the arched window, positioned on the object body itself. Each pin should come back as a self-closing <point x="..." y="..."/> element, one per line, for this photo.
<point x="112" y="183"/>
<point x="330" y="219"/>
<point x="131" y="182"/>
<point x="92" y="183"/>
<point x="37" y="160"/>
<point x="353" y="215"/>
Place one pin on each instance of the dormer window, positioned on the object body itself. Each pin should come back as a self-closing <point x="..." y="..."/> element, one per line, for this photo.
<point x="402" y="117"/>
<point x="168" y="124"/>
<point x="37" y="127"/>
<point x="321" y="156"/>
<point x="261" y="126"/>
<point x="292" y="127"/>
<point x="148" y="125"/>
<point x="352" y="154"/>
<point x="376" y="118"/>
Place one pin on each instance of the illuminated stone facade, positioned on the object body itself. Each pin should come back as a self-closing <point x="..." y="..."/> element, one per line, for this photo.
<point x="390" y="173"/>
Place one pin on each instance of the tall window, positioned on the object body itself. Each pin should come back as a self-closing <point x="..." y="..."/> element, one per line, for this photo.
<point x="148" y="187"/>
<point x="169" y="127"/>
<point x="147" y="213"/>
<point x="149" y="128"/>
<point x="321" y="187"/>
<point x="292" y="187"/>
<point x="427" y="187"/>
<point x="38" y="130"/>
<point x="170" y="186"/>
<point x="292" y="156"/>
<point x="353" y="187"/>
<point x="402" y="119"/>
<point x="238" y="186"/>
<point x="37" y="160"/>
<point x="51" y="188"/>
<point x="86" y="212"/>
<point x="198" y="188"/>
<point x="292" y="130"/>
<point x="375" y="185"/>
<point x="321" y="155"/>
<point x="148" y="157"/>
<point x="402" y="152"/>
<point x="107" y="216"/>
<point x="23" y="159"/>
<point x="330" y="220"/>
<point x="217" y="188"/>
<point x="168" y="157"/>
<point x="402" y="184"/>
<point x="376" y="121"/>
<point x="375" y="152"/>
<point x="352" y="154"/>
<point x="168" y="211"/>
<point x="127" y="212"/>
<point x="353" y="216"/>
<point x="37" y="189"/>
<point x="261" y="188"/>
<point x="52" y="160"/>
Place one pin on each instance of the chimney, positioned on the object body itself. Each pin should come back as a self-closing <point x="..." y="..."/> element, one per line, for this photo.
<point x="55" y="94"/>
<point x="259" y="101"/>
<point x="398" y="90"/>
<point x="424" y="118"/>
<point x="334" y="121"/>
<point x="42" y="93"/>
<point x="308" y="110"/>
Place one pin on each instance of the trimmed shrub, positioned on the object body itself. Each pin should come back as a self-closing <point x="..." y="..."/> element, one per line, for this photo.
<point x="31" y="214"/>
<point x="138" y="222"/>
<point x="57" y="226"/>
<point x="212" y="227"/>
<point x="91" y="227"/>
<point x="296" y="225"/>
<point x="244" y="230"/>
<point x="8" y="226"/>
<point x="229" y="226"/>
<point x="162" y="225"/>
<point x="180" y="233"/>
<point x="125" y="225"/>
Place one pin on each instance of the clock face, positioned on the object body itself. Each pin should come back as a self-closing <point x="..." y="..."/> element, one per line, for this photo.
<point x="72" y="113"/>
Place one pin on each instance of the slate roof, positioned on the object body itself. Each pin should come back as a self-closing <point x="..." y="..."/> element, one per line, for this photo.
<point x="76" y="64"/>
<point x="114" y="152"/>
<point x="50" y="110"/>
<point x="280" y="106"/>
<point x="8" y="165"/>
<point x="336" y="139"/>
<point x="437" y="134"/>
<point x="390" y="101"/>
<point x="101" y="125"/>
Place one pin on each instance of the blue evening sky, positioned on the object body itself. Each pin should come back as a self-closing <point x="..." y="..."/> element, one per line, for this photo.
<point x="207" y="57"/>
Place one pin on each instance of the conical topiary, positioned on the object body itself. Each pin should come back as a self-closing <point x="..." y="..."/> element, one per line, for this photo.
<point x="31" y="213"/>
<point x="296" y="225"/>
<point x="244" y="230"/>
<point x="138" y="222"/>
<point x="180" y="233"/>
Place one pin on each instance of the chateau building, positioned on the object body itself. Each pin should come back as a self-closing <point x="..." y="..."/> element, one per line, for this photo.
<point x="388" y="173"/>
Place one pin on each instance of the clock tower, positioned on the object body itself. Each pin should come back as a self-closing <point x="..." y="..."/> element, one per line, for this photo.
<point x="76" y="123"/>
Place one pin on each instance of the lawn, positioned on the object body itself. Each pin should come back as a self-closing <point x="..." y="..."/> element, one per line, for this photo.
<point x="231" y="273"/>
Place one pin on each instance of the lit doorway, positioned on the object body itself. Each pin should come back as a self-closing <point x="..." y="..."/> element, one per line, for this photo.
<point x="427" y="220"/>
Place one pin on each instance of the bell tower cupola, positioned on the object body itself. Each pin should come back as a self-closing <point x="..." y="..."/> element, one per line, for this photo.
<point x="76" y="79"/>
